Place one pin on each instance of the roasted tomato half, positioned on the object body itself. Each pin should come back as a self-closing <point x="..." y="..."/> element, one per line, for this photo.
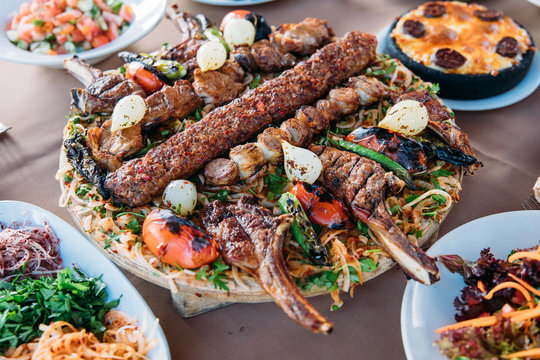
<point x="145" y="78"/>
<point x="321" y="208"/>
<point x="178" y="241"/>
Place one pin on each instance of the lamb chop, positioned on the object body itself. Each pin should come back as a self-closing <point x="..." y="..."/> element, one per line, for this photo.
<point x="252" y="239"/>
<point x="363" y="185"/>
<point x="101" y="92"/>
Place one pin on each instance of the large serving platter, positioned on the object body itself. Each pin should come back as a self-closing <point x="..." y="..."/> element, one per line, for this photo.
<point x="426" y="308"/>
<point x="76" y="250"/>
<point x="192" y="297"/>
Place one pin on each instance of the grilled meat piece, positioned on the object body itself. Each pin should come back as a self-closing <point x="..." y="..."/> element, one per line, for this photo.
<point x="102" y="92"/>
<point x="214" y="87"/>
<point x="303" y="38"/>
<point x="251" y="238"/>
<point x="363" y="185"/>
<point x="109" y="148"/>
<point x="402" y="149"/>
<point x="138" y="180"/>
<point x="269" y="142"/>
<point x="347" y="99"/>
<point x="171" y="102"/>
<point x="369" y="89"/>
<point x="189" y="26"/>
<point x="186" y="54"/>
<point x="221" y="172"/>
<point x="249" y="159"/>
<point x="298" y="132"/>
<point x="80" y="157"/>
<point x="263" y="56"/>
<point x="453" y="135"/>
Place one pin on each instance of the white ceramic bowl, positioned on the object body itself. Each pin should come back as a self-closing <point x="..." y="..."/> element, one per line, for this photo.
<point x="146" y="15"/>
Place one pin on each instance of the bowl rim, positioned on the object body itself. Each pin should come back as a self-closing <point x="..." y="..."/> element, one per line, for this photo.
<point x="147" y="15"/>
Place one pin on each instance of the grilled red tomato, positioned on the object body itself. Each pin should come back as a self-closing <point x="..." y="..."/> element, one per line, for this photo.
<point x="178" y="241"/>
<point x="145" y="78"/>
<point x="321" y="208"/>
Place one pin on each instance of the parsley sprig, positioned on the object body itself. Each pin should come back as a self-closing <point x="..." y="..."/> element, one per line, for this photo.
<point x="72" y="296"/>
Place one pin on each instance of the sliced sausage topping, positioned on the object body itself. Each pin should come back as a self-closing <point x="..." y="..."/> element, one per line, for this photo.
<point x="488" y="15"/>
<point x="449" y="58"/>
<point x="414" y="28"/>
<point x="434" y="10"/>
<point x="507" y="47"/>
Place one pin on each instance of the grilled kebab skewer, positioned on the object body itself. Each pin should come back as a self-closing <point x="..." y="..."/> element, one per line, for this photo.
<point x="138" y="180"/>
<point x="251" y="238"/>
<point x="363" y="185"/>
<point x="248" y="161"/>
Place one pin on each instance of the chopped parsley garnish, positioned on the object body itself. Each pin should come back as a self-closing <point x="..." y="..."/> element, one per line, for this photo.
<point x="435" y="183"/>
<point x="82" y="190"/>
<point x="67" y="179"/>
<point x="149" y="145"/>
<point x="363" y="228"/>
<point x="367" y="265"/>
<point x="122" y="69"/>
<point x="38" y="22"/>
<point x="394" y="209"/>
<point x="275" y="183"/>
<point x="441" y="172"/>
<point x="197" y="114"/>
<point x="221" y="195"/>
<point x="434" y="88"/>
<point x="410" y="198"/>
<point x="255" y="82"/>
<point x="323" y="280"/>
<point x="439" y="199"/>
<point x="134" y="226"/>
<point x="217" y="278"/>
<point x="70" y="296"/>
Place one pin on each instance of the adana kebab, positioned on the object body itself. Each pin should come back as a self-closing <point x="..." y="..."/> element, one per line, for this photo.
<point x="138" y="180"/>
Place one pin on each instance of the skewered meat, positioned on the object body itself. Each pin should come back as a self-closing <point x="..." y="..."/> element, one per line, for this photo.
<point x="101" y="92"/>
<point x="363" y="185"/>
<point x="221" y="172"/>
<point x="249" y="159"/>
<point x="269" y="141"/>
<point x="171" y="102"/>
<point x="251" y="238"/>
<point x="347" y="99"/>
<point x="369" y="89"/>
<point x="303" y="38"/>
<point x="265" y="57"/>
<point x="214" y="87"/>
<point x="298" y="132"/>
<point x="109" y="148"/>
<point x="80" y="157"/>
<point x="185" y="153"/>
<point x="402" y="149"/>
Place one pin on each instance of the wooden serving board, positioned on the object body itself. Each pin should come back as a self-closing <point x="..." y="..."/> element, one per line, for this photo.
<point x="193" y="297"/>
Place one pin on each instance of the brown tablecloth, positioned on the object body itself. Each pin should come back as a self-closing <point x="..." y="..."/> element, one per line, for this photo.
<point x="35" y="101"/>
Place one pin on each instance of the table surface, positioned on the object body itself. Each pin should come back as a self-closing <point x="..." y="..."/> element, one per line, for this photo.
<point x="507" y="141"/>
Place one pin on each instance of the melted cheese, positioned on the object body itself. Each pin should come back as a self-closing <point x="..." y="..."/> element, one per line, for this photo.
<point x="461" y="30"/>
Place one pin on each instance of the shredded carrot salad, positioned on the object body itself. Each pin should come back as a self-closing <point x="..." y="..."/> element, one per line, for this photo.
<point x="68" y="26"/>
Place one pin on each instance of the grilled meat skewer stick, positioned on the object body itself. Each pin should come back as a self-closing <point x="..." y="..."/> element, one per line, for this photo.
<point x="363" y="185"/>
<point x="252" y="239"/>
<point x="298" y="131"/>
<point x="138" y="180"/>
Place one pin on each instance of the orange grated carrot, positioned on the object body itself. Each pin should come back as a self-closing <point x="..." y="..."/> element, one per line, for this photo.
<point x="525" y="285"/>
<point x="481" y="286"/>
<point x="51" y="52"/>
<point x="524" y="254"/>
<point x="509" y="284"/>
<point x="478" y="322"/>
<point x="530" y="353"/>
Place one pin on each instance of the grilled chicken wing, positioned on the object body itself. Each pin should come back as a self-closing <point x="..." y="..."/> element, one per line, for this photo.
<point x="251" y="238"/>
<point x="363" y="185"/>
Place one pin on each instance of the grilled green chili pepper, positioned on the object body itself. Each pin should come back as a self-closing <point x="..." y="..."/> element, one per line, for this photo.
<point x="303" y="231"/>
<point x="384" y="160"/>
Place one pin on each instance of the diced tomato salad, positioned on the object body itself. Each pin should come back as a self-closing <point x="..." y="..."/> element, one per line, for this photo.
<point x="68" y="26"/>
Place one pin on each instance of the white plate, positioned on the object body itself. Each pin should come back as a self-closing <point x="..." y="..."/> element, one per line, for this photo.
<point x="426" y="308"/>
<point x="75" y="249"/>
<point x="146" y="15"/>
<point x="524" y="88"/>
<point x="232" y="2"/>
